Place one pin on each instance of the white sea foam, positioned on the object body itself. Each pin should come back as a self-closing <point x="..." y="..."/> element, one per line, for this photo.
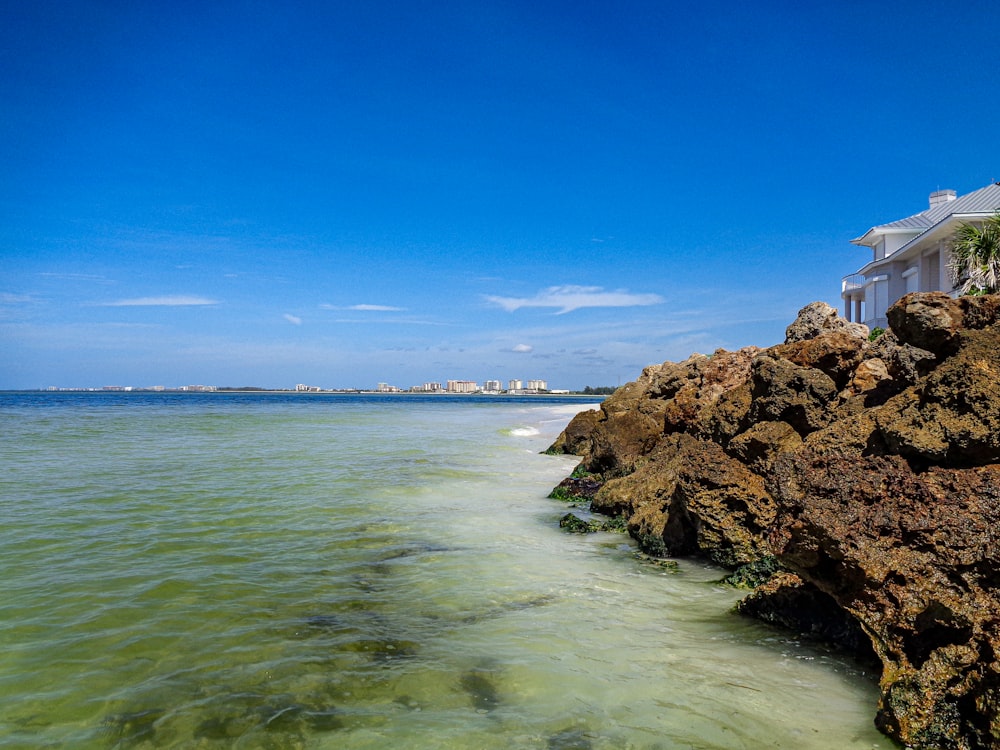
<point x="525" y="431"/>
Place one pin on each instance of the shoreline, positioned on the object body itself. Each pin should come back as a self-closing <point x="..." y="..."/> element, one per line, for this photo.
<point x="279" y="391"/>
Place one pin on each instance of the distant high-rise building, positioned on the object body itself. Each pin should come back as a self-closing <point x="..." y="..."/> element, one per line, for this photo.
<point x="538" y="385"/>
<point x="514" y="385"/>
<point x="492" y="386"/>
<point x="462" y="386"/>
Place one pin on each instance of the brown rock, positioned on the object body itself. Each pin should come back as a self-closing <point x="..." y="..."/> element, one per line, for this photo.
<point x="789" y="602"/>
<point x="868" y="375"/>
<point x="783" y="391"/>
<point x="817" y="318"/>
<point x="914" y="558"/>
<point x="727" y="506"/>
<point x="953" y="415"/>
<point x="836" y="354"/>
<point x="689" y="497"/>
<point x="628" y="426"/>
<point x="725" y="418"/>
<point x="667" y="398"/>
<point x="980" y="311"/>
<point x="853" y="435"/>
<point x="759" y="445"/>
<point x="904" y="362"/>
<point x="697" y="383"/>
<point x="576" y="437"/>
<point x="932" y="320"/>
<point x="926" y="320"/>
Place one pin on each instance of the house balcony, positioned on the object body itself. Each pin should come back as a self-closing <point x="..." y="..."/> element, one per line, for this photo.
<point x="855" y="282"/>
<point x="853" y="292"/>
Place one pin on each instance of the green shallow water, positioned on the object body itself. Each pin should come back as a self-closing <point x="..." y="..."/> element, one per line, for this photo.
<point x="265" y="571"/>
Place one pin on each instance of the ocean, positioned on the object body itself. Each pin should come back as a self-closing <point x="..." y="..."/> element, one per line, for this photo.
<point x="359" y="571"/>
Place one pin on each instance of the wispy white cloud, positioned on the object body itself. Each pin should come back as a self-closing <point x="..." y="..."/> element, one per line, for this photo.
<point x="168" y="301"/>
<point x="77" y="277"/>
<point x="16" y="299"/>
<point x="293" y="319"/>
<point x="364" y="308"/>
<point x="394" y="321"/>
<point x="376" y="308"/>
<point x="522" y="348"/>
<point x="568" y="298"/>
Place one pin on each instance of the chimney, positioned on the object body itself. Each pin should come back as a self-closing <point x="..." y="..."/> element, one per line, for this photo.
<point x="942" y="196"/>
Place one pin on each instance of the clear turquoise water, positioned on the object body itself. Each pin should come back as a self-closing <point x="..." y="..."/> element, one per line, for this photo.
<point x="310" y="571"/>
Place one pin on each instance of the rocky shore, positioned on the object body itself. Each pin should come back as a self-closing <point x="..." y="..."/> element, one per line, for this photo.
<point x="852" y="478"/>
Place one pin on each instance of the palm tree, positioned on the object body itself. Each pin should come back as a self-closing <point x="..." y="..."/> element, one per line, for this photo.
<point x="975" y="257"/>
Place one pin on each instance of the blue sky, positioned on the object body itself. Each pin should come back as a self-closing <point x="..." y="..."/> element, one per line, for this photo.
<point x="342" y="193"/>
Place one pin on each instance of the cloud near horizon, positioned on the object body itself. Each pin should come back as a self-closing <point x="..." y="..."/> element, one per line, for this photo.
<point x="167" y="301"/>
<point x="16" y="299"/>
<point x="523" y="348"/>
<point x="569" y="298"/>
<point x="364" y="308"/>
<point x="293" y="319"/>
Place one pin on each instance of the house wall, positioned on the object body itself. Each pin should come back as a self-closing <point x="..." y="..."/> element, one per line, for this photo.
<point x="897" y="282"/>
<point x="892" y="243"/>
<point x="934" y="272"/>
<point x="876" y="301"/>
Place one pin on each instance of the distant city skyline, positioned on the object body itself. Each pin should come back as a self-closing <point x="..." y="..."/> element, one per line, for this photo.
<point x="449" y="386"/>
<point x="452" y="385"/>
<point x="349" y="193"/>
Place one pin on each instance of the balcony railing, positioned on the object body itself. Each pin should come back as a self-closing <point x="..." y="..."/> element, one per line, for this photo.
<point x="852" y="283"/>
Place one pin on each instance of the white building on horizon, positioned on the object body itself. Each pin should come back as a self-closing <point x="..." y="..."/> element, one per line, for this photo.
<point x="514" y="385"/>
<point x="462" y="386"/>
<point x="912" y="254"/>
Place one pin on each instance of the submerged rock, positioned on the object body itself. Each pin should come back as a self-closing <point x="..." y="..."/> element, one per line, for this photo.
<point x="576" y="525"/>
<point x="868" y="472"/>
<point x="570" y="739"/>
<point x="133" y="726"/>
<point x="480" y="684"/>
<point x="576" y="489"/>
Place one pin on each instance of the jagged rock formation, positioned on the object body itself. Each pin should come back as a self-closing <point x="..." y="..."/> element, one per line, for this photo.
<point x="867" y="474"/>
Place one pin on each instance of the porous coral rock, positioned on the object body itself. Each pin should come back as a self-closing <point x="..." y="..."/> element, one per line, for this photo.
<point x="913" y="557"/>
<point x="817" y="318"/>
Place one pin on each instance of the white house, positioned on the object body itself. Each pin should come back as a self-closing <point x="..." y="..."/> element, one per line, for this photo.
<point x="912" y="254"/>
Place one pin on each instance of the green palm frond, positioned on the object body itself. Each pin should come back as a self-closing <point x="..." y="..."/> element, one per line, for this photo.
<point x="975" y="257"/>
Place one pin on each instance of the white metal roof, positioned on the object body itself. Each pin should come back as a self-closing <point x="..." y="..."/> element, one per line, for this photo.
<point x="985" y="201"/>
